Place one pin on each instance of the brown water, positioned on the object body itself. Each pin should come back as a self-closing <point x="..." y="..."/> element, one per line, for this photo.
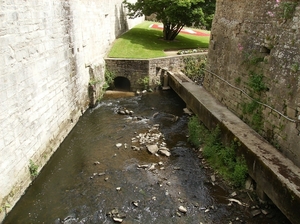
<point x="72" y="189"/>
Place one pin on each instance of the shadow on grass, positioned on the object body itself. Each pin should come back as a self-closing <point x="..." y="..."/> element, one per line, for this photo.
<point x="153" y="40"/>
<point x="147" y="43"/>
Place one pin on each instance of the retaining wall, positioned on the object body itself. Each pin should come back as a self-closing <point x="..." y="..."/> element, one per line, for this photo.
<point x="49" y="51"/>
<point x="275" y="175"/>
<point x="136" y="70"/>
<point x="254" y="50"/>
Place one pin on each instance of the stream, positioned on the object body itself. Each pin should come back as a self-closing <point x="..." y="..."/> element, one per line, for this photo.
<point x="103" y="172"/>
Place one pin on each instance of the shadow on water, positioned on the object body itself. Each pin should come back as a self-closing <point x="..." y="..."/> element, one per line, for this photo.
<point x="89" y="177"/>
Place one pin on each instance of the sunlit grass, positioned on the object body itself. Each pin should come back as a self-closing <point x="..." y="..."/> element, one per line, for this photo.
<point x="144" y="42"/>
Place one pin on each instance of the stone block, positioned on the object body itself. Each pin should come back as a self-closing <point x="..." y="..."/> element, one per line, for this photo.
<point x="291" y="112"/>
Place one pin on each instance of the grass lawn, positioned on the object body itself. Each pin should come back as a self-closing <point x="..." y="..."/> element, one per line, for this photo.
<point x="144" y="42"/>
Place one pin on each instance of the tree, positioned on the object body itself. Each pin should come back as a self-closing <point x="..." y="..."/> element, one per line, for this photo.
<point x="174" y="14"/>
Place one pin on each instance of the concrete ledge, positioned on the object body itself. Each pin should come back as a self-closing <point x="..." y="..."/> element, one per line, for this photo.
<point x="276" y="175"/>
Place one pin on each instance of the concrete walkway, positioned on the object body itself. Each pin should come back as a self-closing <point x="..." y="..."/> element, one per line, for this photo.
<point x="275" y="175"/>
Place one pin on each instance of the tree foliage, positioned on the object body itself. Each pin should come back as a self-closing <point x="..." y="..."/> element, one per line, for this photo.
<point x="174" y="14"/>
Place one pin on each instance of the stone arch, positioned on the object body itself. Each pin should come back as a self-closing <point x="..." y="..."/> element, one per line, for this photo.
<point x="122" y="83"/>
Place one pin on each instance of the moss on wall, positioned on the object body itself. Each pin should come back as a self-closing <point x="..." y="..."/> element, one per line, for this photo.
<point x="254" y="47"/>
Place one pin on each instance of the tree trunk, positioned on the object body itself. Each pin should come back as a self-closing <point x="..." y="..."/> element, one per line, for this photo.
<point x="171" y="31"/>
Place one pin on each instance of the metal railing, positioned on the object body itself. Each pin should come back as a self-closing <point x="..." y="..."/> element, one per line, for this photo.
<point x="242" y="91"/>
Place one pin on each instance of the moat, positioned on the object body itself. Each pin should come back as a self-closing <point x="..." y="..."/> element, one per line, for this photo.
<point x="97" y="175"/>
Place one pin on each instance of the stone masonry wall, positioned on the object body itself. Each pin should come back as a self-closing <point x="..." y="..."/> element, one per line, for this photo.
<point x="135" y="70"/>
<point x="49" y="52"/>
<point x="254" y="50"/>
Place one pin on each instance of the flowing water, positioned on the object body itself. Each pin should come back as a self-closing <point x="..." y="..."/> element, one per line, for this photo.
<point x="90" y="180"/>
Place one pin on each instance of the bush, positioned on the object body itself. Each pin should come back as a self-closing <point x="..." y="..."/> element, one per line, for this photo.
<point x="197" y="132"/>
<point x="221" y="158"/>
<point x="194" y="68"/>
<point x="109" y="78"/>
<point x="240" y="173"/>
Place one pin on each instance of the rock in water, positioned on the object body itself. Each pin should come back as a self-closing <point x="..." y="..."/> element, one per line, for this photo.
<point x="152" y="148"/>
<point x="117" y="219"/>
<point x="118" y="145"/>
<point x="165" y="152"/>
<point x="182" y="209"/>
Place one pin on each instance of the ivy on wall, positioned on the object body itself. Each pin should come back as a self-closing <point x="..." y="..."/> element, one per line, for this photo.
<point x="193" y="68"/>
<point x="253" y="111"/>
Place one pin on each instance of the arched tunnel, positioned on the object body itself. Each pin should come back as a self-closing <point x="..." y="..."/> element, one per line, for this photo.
<point x="121" y="83"/>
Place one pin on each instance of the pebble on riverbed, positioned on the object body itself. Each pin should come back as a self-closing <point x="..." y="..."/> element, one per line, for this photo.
<point x="119" y="145"/>
<point x="135" y="203"/>
<point x="153" y="141"/>
<point x="255" y="212"/>
<point x="118" y="220"/>
<point x="165" y="153"/>
<point x="182" y="209"/>
<point x="116" y="215"/>
<point x="124" y="111"/>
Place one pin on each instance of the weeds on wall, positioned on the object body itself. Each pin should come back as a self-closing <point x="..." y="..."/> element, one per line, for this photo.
<point x="255" y="111"/>
<point x="257" y="87"/>
<point x="287" y="9"/>
<point x="193" y="68"/>
<point x="256" y="82"/>
<point x="97" y="87"/>
<point x="33" y="169"/>
<point x="283" y="9"/>
<point x="94" y="82"/>
<point x="109" y="78"/>
<point x="145" y="82"/>
<point x="220" y="157"/>
<point x="4" y="207"/>
<point x="238" y="80"/>
<point x="252" y="58"/>
<point x="295" y="67"/>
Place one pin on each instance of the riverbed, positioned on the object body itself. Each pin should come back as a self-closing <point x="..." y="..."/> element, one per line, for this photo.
<point x="104" y="173"/>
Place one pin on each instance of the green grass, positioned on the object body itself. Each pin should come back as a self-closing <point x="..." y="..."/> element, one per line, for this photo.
<point x="144" y="42"/>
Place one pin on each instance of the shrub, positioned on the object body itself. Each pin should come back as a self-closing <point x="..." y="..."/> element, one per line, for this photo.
<point x="197" y="132"/>
<point x="109" y="78"/>
<point x="240" y="173"/>
<point x="221" y="158"/>
<point x="193" y="68"/>
<point x="256" y="82"/>
<point x="144" y="81"/>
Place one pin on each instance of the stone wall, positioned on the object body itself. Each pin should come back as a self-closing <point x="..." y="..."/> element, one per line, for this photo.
<point x="254" y="54"/>
<point x="136" y="70"/>
<point x="133" y="70"/>
<point x="49" y="52"/>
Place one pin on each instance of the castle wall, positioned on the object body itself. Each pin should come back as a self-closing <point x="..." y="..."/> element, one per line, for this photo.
<point x="49" y="52"/>
<point x="254" y="57"/>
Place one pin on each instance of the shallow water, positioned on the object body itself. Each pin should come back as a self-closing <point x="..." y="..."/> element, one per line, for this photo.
<point x="80" y="183"/>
